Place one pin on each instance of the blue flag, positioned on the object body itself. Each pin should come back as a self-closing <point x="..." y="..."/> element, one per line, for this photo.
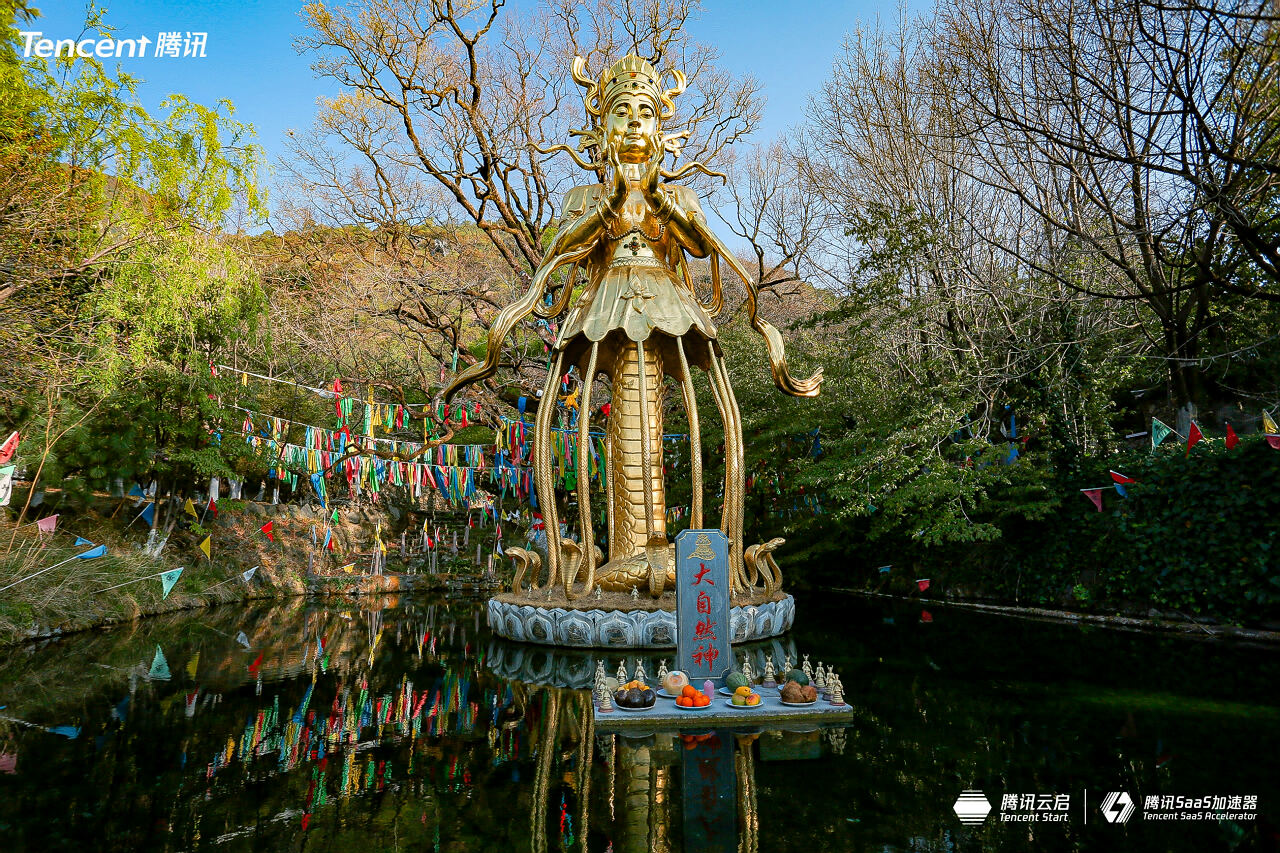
<point x="317" y="483"/>
<point x="96" y="552"/>
<point x="148" y="513"/>
<point x="80" y="540"/>
<point x="168" y="579"/>
<point x="159" y="667"/>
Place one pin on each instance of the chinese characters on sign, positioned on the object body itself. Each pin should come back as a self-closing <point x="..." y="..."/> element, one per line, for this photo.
<point x="1035" y="808"/>
<point x="702" y="604"/>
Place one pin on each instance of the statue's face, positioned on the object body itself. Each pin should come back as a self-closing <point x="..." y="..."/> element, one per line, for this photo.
<point x="631" y="125"/>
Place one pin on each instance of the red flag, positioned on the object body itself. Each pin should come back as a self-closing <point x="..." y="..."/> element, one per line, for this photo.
<point x="923" y="583"/>
<point x="1232" y="438"/>
<point x="337" y="385"/>
<point x="214" y="507"/>
<point x="1094" y="495"/>
<point x="1121" y="478"/>
<point x="604" y="410"/>
<point x="926" y="616"/>
<point x="8" y="448"/>
<point x="47" y="524"/>
<point x="1193" y="435"/>
<point x="266" y="528"/>
<point x="1274" y="441"/>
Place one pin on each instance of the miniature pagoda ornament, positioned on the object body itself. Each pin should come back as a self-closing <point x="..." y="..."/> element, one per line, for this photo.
<point x="770" y="677"/>
<point x="615" y="273"/>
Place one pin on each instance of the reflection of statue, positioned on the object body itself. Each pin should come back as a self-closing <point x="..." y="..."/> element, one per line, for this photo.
<point x="636" y="320"/>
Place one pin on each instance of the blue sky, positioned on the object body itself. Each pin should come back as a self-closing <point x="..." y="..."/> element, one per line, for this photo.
<point x="251" y="61"/>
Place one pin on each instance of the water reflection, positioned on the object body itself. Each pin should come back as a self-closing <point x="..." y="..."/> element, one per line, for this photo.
<point x="400" y="724"/>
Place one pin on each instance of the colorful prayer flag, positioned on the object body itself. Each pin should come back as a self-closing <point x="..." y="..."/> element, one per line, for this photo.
<point x="1159" y="432"/>
<point x="1193" y="436"/>
<point x="47" y="524"/>
<point x="189" y="508"/>
<point x="1094" y="495"/>
<point x="884" y="570"/>
<point x="96" y="552"/>
<point x="6" y="484"/>
<point x="923" y="583"/>
<point x="1268" y="425"/>
<point x="213" y="505"/>
<point x="248" y="576"/>
<point x="159" y="667"/>
<point x="168" y="579"/>
<point x="9" y="447"/>
<point x="1116" y="476"/>
<point x="206" y="547"/>
<point x="80" y="540"/>
<point x="1232" y="438"/>
<point x="148" y="513"/>
<point x="266" y="528"/>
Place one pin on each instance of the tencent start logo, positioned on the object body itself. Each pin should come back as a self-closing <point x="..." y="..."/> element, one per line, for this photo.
<point x="1117" y="807"/>
<point x="972" y="807"/>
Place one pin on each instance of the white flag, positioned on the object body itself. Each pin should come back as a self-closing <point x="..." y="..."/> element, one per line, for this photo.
<point x="6" y="484"/>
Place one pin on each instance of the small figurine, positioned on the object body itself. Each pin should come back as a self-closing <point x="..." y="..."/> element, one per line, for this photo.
<point x="635" y="594"/>
<point x="837" y="691"/>
<point x="837" y="738"/>
<point x="747" y="672"/>
<point x="548" y="593"/>
<point x="622" y="671"/>
<point x="600" y="675"/>
<point x="599" y="594"/>
<point x="807" y="668"/>
<point x="639" y="670"/>
<point x="820" y="679"/>
<point x="606" y="702"/>
<point x="787" y="666"/>
<point x="770" y="677"/>
<point x="662" y="671"/>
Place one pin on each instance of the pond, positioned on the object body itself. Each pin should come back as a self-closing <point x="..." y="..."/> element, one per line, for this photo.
<point x="384" y="724"/>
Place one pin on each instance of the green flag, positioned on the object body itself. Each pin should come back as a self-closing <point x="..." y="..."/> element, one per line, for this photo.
<point x="159" y="667"/>
<point x="335" y="516"/>
<point x="1159" y="432"/>
<point x="168" y="579"/>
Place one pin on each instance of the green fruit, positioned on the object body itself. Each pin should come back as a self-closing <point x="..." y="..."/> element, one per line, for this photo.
<point x="739" y="700"/>
<point x="798" y="676"/>
<point x="734" y="680"/>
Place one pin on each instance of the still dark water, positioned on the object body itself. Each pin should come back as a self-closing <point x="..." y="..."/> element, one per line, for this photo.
<point x="382" y="725"/>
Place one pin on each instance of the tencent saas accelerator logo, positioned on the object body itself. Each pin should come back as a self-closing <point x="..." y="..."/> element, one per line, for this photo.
<point x="972" y="807"/>
<point x="1117" y="807"/>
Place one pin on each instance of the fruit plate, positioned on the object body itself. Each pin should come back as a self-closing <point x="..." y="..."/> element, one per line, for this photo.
<point x="759" y="704"/>
<point x="798" y="704"/>
<point x="625" y="708"/>
<point x="693" y="707"/>
<point x="662" y="691"/>
<point x="725" y="691"/>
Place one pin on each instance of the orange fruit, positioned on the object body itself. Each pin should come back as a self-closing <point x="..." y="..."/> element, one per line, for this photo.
<point x="702" y="701"/>
<point x="753" y="699"/>
<point x="689" y="691"/>
<point x="683" y="702"/>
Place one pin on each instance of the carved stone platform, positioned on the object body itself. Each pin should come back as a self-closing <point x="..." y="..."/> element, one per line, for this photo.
<point x="551" y="623"/>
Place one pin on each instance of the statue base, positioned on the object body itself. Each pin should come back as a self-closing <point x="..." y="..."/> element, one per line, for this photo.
<point x="618" y="622"/>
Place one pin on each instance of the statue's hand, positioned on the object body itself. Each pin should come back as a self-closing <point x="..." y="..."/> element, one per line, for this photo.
<point x="619" y="189"/>
<point x="650" y="187"/>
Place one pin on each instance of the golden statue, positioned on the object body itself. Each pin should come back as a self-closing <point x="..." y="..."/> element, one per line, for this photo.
<point x="637" y="320"/>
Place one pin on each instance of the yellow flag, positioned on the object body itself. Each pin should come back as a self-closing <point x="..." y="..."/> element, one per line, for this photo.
<point x="192" y="664"/>
<point x="349" y="567"/>
<point x="244" y="378"/>
<point x="1268" y="425"/>
<point x="204" y="546"/>
<point x="189" y="508"/>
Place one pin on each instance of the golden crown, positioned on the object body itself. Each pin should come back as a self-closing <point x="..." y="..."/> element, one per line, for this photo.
<point x="630" y="74"/>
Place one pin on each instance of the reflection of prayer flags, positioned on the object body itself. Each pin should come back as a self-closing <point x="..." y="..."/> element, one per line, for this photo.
<point x="80" y="540"/>
<point x="248" y="576"/>
<point x="1159" y="432"/>
<point x="96" y="552"/>
<point x="1268" y="425"/>
<point x="266" y="528"/>
<point x="159" y="667"/>
<point x="923" y="583"/>
<point x="926" y="616"/>
<point x="189" y="508"/>
<point x="1232" y="438"/>
<point x="1193" y="436"/>
<point x="9" y="447"/>
<point x="47" y="524"/>
<point x="1094" y="495"/>
<point x="192" y="664"/>
<point x="168" y="579"/>
<point x="205" y="547"/>
<point x="257" y="662"/>
<point x="72" y="732"/>
<point x="6" y="484"/>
